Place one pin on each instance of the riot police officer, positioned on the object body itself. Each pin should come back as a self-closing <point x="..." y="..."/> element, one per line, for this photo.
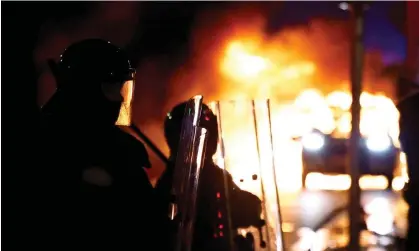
<point x="409" y="139"/>
<point x="212" y="216"/>
<point x="93" y="191"/>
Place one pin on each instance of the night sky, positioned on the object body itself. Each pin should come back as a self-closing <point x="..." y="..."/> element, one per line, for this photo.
<point x="382" y="23"/>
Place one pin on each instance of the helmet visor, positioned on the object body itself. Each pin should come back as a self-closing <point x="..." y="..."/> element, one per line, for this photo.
<point x="125" y="111"/>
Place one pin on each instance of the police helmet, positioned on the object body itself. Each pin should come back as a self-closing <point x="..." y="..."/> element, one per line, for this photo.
<point x="96" y="61"/>
<point x="98" y="71"/>
<point x="173" y="127"/>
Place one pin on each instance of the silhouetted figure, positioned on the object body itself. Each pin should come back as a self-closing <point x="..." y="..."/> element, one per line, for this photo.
<point x="93" y="191"/>
<point x="211" y="227"/>
<point x="409" y="138"/>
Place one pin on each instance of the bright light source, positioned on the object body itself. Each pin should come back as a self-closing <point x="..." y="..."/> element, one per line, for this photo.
<point x="370" y="182"/>
<point x="313" y="141"/>
<point x="380" y="217"/>
<point x="307" y="238"/>
<point x="398" y="183"/>
<point x="381" y="223"/>
<point x="319" y="181"/>
<point x="377" y="205"/>
<point x="378" y="143"/>
<point x="344" y="6"/>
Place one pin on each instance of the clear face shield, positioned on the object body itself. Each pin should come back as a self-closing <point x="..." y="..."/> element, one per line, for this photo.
<point x="123" y="93"/>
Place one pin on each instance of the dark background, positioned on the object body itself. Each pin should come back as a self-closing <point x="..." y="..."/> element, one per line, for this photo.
<point x="158" y="37"/>
<point x="32" y="31"/>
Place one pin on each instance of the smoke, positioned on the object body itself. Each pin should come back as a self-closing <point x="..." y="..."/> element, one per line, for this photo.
<point x="199" y="73"/>
<point x="325" y="43"/>
<point x="160" y="85"/>
<point x="212" y="31"/>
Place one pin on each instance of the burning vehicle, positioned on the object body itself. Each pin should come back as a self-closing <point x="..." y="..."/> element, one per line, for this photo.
<point x="326" y="150"/>
<point x="328" y="154"/>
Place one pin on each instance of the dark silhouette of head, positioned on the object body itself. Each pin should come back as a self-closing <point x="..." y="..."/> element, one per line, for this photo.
<point x="94" y="78"/>
<point x="173" y="127"/>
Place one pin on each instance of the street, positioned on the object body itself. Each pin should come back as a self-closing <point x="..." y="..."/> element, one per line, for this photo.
<point x="304" y="211"/>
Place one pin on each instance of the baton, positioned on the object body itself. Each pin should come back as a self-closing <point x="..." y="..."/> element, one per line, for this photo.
<point x="150" y="144"/>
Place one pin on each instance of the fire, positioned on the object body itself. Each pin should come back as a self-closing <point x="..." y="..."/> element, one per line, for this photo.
<point x="240" y="65"/>
<point x="247" y="68"/>
<point x="260" y="72"/>
<point x="304" y="71"/>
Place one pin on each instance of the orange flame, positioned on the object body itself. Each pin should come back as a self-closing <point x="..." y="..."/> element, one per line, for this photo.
<point x="304" y="70"/>
<point x="311" y="109"/>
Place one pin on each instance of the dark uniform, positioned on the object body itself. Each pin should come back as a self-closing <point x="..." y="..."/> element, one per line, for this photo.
<point x="409" y="138"/>
<point x="212" y="224"/>
<point x="93" y="191"/>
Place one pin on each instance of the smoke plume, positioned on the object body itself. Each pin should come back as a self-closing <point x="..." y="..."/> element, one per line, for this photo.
<point x="323" y="43"/>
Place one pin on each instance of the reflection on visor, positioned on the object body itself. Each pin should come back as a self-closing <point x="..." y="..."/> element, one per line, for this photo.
<point x="127" y="93"/>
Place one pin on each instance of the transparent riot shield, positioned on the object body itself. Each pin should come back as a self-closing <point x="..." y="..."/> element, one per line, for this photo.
<point x="246" y="152"/>
<point x="189" y="162"/>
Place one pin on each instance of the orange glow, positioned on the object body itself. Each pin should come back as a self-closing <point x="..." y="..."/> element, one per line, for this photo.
<point x="311" y="108"/>
<point x="127" y="92"/>
<point x="240" y="65"/>
<point x="304" y="71"/>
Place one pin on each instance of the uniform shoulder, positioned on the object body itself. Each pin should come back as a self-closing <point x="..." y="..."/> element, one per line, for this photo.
<point x="133" y="146"/>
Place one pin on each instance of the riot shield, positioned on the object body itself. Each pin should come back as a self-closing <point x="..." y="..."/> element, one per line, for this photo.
<point x="188" y="165"/>
<point x="246" y="153"/>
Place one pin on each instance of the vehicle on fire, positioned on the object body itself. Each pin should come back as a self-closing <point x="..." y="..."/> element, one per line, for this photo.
<point x="327" y="154"/>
